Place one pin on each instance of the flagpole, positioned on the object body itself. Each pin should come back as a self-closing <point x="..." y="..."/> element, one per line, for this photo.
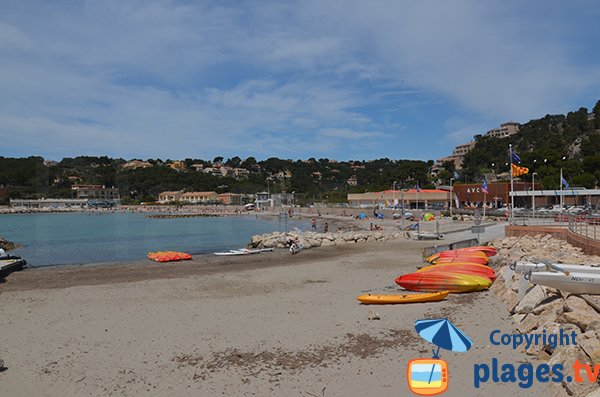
<point x="484" y="203"/>
<point x="561" y="195"/>
<point x="417" y="195"/>
<point x="512" y="186"/>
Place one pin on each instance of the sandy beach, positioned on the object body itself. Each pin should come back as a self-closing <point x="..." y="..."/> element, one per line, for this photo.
<point x="267" y="325"/>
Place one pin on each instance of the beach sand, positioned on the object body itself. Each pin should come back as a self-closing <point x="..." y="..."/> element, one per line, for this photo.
<point x="264" y="325"/>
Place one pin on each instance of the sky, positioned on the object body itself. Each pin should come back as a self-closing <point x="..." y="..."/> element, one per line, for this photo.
<point x="345" y="80"/>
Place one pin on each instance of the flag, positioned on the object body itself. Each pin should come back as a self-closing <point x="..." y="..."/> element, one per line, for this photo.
<point x="484" y="187"/>
<point x="456" y="175"/>
<point x="518" y="171"/>
<point x="514" y="157"/>
<point x="564" y="182"/>
<point x="417" y="187"/>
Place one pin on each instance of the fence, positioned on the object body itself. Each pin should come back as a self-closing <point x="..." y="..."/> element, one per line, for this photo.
<point x="584" y="225"/>
<point x="587" y="226"/>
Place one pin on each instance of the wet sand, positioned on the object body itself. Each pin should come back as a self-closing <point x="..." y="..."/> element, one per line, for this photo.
<point x="271" y="324"/>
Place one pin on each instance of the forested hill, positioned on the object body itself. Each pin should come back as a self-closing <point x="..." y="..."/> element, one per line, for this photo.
<point x="545" y="145"/>
<point x="312" y="180"/>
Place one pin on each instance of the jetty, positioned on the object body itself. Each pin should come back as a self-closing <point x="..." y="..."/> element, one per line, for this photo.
<point x="172" y="216"/>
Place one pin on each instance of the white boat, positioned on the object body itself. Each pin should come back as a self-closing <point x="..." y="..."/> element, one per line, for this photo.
<point x="523" y="267"/>
<point x="576" y="283"/>
<point x="243" y="251"/>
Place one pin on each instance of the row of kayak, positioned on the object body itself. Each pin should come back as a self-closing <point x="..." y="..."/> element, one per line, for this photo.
<point x="455" y="271"/>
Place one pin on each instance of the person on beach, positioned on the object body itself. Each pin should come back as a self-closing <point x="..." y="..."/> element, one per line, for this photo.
<point x="325" y="227"/>
<point x="313" y="223"/>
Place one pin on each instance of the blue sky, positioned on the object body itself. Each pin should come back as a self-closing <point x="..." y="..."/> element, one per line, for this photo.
<point x="294" y="79"/>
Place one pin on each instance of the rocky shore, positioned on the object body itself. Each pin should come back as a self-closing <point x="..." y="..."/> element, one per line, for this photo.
<point x="549" y="310"/>
<point x="6" y="245"/>
<point x="314" y="239"/>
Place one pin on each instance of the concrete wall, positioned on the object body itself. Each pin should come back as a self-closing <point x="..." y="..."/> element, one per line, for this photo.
<point x="589" y="246"/>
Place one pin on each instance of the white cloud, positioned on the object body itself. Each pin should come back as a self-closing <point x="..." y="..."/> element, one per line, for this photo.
<point x="296" y="79"/>
<point x="349" y="134"/>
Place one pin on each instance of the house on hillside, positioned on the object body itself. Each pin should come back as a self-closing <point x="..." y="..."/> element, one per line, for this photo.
<point x="230" y="198"/>
<point x="199" y="197"/>
<point x="167" y="197"/>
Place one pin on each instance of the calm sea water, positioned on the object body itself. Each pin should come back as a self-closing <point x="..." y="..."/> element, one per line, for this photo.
<point x="58" y="239"/>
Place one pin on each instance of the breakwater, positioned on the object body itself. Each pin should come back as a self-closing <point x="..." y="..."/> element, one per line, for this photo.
<point x="173" y="216"/>
<point x="314" y="239"/>
<point x="544" y="310"/>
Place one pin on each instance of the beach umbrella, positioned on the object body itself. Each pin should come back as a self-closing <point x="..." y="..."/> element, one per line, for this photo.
<point x="442" y="333"/>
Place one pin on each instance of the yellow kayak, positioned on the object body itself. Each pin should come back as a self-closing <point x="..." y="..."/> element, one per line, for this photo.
<point x="406" y="298"/>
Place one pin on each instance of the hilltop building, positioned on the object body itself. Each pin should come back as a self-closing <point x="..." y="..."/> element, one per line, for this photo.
<point x="135" y="164"/>
<point x="458" y="154"/>
<point x="507" y="129"/>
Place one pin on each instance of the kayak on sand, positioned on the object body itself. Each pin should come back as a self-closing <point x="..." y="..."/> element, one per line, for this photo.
<point x="383" y="299"/>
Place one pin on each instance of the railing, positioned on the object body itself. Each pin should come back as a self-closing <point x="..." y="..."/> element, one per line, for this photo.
<point x="585" y="225"/>
<point x="528" y="218"/>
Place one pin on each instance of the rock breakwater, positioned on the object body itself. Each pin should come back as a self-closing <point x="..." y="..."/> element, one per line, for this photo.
<point x="547" y="310"/>
<point x="314" y="239"/>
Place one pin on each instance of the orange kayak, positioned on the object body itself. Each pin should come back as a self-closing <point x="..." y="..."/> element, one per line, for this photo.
<point x="482" y="260"/>
<point x="405" y="298"/>
<point x="435" y="281"/>
<point x="479" y="270"/>
<point x="451" y="255"/>
<point x="168" y="256"/>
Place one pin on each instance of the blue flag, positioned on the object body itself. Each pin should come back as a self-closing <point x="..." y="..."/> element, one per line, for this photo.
<point x="514" y="157"/>
<point x="564" y="182"/>
<point x="417" y="187"/>
<point x="456" y="175"/>
<point x="484" y="187"/>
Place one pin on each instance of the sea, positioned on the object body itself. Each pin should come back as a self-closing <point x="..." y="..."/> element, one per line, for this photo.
<point x="82" y="238"/>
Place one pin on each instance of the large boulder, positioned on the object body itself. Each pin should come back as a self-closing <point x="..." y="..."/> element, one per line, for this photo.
<point x="327" y="243"/>
<point x="6" y="245"/>
<point x="567" y="355"/>
<point x="537" y="318"/>
<point x="531" y="300"/>
<point x="578" y="312"/>
<point x="590" y="344"/>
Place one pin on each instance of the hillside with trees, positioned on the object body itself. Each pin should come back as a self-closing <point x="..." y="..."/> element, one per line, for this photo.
<point x="312" y="180"/>
<point x="570" y="142"/>
<point x="545" y="145"/>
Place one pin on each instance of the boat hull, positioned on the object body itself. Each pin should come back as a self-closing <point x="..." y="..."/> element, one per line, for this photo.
<point x="540" y="267"/>
<point x="575" y="283"/>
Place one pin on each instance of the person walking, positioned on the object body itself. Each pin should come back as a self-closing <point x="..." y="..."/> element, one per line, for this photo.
<point x="313" y="223"/>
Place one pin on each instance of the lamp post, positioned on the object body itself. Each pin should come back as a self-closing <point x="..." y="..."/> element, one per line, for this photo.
<point x="394" y="194"/>
<point x="533" y="193"/>
<point x="451" y="195"/>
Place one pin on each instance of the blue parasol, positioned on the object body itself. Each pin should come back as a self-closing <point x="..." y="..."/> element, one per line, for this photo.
<point x="442" y="333"/>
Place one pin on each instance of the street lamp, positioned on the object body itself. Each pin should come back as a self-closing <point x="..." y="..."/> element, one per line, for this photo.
<point x="451" y="195"/>
<point x="533" y="193"/>
<point x="394" y="193"/>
